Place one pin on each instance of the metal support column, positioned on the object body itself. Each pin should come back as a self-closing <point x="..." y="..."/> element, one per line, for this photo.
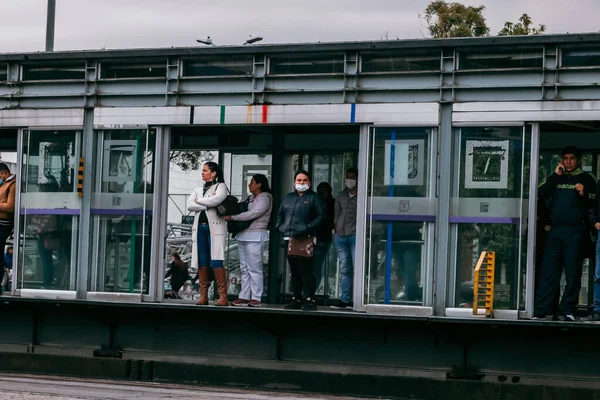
<point x="532" y="220"/>
<point x="443" y="208"/>
<point x="83" y="256"/>
<point x="17" y="228"/>
<point x="159" y="213"/>
<point x="360" y="267"/>
<point x="275" y="238"/>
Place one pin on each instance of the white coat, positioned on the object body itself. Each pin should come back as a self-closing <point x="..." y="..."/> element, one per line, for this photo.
<point x="198" y="202"/>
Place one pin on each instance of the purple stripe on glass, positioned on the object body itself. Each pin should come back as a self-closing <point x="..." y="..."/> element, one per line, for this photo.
<point x="111" y="211"/>
<point x="396" y="217"/>
<point x="55" y="211"/>
<point x="484" y="220"/>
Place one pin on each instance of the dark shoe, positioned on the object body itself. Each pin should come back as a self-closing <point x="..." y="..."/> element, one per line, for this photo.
<point x="294" y="305"/>
<point x="341" y="305"/>
<point x="240" y="303"/>
<point x="593" y="317"/>
<point x="254" y="303"/>
<point x="569" y="318"/>
<point x="309" y="305"/>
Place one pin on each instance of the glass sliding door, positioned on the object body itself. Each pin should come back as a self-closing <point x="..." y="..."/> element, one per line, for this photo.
<point x="50" y="209"/>
<point x="121" y="211"/>
<point x="489" y="212"/>
<point x="401" y="218"/>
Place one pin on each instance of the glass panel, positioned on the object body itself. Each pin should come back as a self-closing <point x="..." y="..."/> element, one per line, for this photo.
<point x="122" y="211"/>
<point x="50" y="210"/>
<point x="500" y="60"/>
<point x="139" y="70"/>
<point x="53" y="72"/>
<point x="401" y="62"/>
<point x="400" y="213"/>
<point x="306" y="64"/>
<point x="239" y="170"/>
<point x="218" y="67"/>
<point x="589" y="57"/>
<point x="3" y="72"/>
<point x="489" y="212"/>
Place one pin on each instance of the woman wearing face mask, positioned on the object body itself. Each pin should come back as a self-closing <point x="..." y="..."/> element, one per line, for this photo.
<point x="209" y="232"/>
<point x="299" y="216"/>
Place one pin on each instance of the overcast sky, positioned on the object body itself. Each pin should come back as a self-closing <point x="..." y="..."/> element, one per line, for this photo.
<point x="93" y="24"/>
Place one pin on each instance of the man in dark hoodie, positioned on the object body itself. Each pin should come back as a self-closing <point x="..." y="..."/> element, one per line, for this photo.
<point x="572" y="191"/>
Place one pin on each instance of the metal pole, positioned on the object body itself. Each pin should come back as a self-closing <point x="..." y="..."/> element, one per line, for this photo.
<point x="50" y="17"/>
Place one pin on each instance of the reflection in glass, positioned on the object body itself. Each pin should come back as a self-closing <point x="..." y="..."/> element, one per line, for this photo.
<point x="492" y="216"/>
<point x="122" y="211"/>
<point x="401" y="261"/>
<point x="500" y="238"/>
<point x="397" y="235"/>
<point x="49" y="208"/>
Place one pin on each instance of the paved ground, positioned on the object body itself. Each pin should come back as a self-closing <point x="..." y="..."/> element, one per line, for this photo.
<point x="28" y="387"/>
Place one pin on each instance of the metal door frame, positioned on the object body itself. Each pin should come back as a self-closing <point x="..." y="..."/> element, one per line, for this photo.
<point x="70" y="294"/>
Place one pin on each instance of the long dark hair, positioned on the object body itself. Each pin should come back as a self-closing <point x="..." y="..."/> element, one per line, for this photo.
<point x="214" y="167"/>
<point x="262" y="180"/>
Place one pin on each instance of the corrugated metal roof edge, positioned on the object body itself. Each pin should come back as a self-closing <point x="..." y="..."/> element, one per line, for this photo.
<point x="575" y="38"/>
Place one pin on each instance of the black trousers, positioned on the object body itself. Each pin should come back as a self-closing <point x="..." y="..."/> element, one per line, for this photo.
<point x="5" y="232"/>
<point x="303" y="277"/>
<point x="564" y="249"/>
<point x="540" y="244"/>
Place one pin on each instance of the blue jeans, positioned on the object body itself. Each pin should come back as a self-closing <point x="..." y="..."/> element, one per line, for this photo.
<point x="319" y="256"/>
<point x="203" y="243"/>
<point x="597" y="279"/>
<point x="346" y="255"/>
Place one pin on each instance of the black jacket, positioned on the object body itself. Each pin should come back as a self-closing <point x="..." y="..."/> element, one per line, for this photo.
<point x="325" y="230"/>
<point x="178" y="273"/>
<point x="568" y="207"/>
<point x="300" y="215"/>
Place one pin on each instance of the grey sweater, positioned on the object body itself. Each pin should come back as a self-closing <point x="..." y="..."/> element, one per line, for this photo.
<point x="259" y="210"/>
<point x="345" y="214"/>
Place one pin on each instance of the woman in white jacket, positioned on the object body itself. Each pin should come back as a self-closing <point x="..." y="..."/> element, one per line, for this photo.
<point x="209" y="232"/>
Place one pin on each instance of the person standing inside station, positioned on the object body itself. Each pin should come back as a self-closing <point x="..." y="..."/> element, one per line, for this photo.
<point x="345" y="236"/>
<point x="253" y="241"/>
<point x="209" y="232"/>
<point x="299" y="216"/>
<point x="324" y="232"/>
<point x="572" y="191"/>
<point x="8" y="187"/>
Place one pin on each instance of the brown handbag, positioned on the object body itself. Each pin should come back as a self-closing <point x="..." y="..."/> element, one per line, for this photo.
<point x="301" y="247"/>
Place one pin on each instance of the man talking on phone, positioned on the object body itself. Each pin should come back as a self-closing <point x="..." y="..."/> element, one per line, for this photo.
<point x="572" y="191"/>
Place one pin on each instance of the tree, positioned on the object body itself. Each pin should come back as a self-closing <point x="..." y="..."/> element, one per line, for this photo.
<point x="191" y="160"/>
<point x="521" y="28"/>
<point x="446" y="20"/>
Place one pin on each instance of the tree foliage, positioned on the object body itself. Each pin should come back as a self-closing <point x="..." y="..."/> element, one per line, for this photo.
<point x="446" y="20"/>
<point x="523" y="27"/>
<point x="191" y="160"/>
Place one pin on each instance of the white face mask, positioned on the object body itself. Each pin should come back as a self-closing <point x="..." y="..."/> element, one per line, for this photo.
<point x="302" y="187"/>
<point x="350" y="183"/>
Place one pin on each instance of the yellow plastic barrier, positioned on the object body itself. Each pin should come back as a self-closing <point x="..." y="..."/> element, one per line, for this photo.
<point x="483" y="283"/>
